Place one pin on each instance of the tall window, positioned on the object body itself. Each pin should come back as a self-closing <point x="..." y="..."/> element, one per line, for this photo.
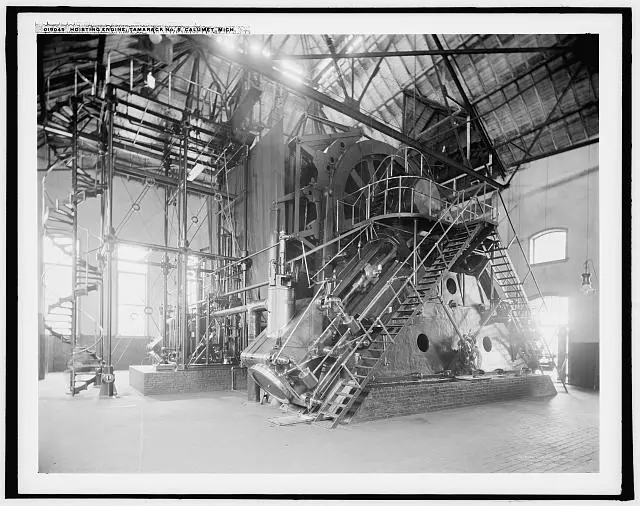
<point x="132" y="291"/>
<point x="548" y="246"/>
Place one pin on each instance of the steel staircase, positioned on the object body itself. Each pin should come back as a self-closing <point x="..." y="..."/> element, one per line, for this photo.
<point x="520" y="313"/>
<point x="505" y="276"/>
<point x="348" y="376"/>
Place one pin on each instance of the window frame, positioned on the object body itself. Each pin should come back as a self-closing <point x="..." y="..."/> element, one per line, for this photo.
<point x="542" y="233"/>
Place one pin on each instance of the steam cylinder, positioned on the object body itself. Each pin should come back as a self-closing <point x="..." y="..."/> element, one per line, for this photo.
<point x="281" y="304"/>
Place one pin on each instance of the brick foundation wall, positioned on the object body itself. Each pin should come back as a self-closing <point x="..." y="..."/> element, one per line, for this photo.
<point x="146" y="380"/>
<point x="385" y="400"/>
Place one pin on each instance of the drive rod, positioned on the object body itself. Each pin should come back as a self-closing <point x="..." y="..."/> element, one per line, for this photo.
<point x="159" y="247"/>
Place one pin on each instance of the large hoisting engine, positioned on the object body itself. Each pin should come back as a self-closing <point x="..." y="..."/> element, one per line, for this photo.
<point x="392" y="266"/>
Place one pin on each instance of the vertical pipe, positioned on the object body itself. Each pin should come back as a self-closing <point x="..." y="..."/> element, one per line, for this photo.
<point x="246" y="244"/>
<point x="94" y="87"/>
<point x="42" y="341"/>
<point x="207" y="326"/>
<point x="220" y="274"/>
<point x="107" y="385"/>
<point x="468" y="137"/>
<point x="283" y="252"/>
<point x="108" y="73"/>
<point x="296" y="177"/>
<point x="165" y="261"/>
<point x="415" y="252"/>
<point x="198" y="304"/>
<point x="184" y="243"/>
<point x="101" y="161"/>
<point x="110" y="232"/>
<point x="328" y="235"/>
<point x="74" y="238"/>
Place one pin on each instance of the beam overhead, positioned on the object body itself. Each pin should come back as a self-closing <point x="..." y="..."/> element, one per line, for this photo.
<point x="274" y="75"/>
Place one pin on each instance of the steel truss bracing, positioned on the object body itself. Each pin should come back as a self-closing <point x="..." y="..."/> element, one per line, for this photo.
<point x="344" y="108"/>
<point x="108" y="135"/>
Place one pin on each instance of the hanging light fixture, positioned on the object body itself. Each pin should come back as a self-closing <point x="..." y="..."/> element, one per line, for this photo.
<point x="586" y="287"/>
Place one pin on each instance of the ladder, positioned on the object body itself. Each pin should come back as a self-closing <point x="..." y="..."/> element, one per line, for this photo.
<point x="513" y="293"/>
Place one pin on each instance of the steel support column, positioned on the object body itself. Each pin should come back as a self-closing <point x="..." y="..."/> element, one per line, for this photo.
<point x="184" y="245"/>
<point x="102" y="152"/>
<point x="165" y="262"/>
<point x="74" y="238"/>
<point x="107" y="387"/>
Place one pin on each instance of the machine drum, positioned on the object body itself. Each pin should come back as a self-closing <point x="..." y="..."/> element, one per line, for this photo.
<point x="272" y="383"/>
<point x="426" y="198"/>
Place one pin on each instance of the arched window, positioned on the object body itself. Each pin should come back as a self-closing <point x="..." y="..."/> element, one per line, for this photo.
<point x="548" y="246"/>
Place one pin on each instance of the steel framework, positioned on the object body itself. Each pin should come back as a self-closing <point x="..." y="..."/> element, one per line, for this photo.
<point x="94" y="133"/>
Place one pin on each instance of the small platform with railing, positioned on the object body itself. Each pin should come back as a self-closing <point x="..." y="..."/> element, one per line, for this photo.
<point x="415" y="196"/>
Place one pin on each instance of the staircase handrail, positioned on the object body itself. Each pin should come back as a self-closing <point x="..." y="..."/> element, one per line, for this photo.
<point x="535" y="281"/>
<point x="344" y="358"/>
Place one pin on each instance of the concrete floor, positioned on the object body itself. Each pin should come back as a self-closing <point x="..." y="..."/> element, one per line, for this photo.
<point x="220" y="432"/>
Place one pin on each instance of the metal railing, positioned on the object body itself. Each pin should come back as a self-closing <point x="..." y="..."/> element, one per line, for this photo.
<point x="407" y="283"/>
<point x="530" y="314"/>
<point x="415" y="195"/>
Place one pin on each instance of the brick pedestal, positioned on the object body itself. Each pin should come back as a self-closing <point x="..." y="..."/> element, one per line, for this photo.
<point x="146" y="380"/>
<point x="384" y="400"/>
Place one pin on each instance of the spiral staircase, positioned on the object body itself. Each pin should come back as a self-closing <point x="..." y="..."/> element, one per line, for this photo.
<point x="61" y="319"/>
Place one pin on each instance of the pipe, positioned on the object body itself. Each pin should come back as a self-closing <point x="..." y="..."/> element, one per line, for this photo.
<point x="165" y="262"/>
<point x="283" y="252"/>
<point x="273" y="258"/>
<point x="245" y="289"/>
<point x="255" y="253"/>
<point x="158" y="247"/>
<point x="111" y="245"/>
<point x="253" y="325"/>
<point x="245" y="269"/>
<point x="184" y="244"/>
<point x="74" y="239"/>
<point x="259" y="305"/>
